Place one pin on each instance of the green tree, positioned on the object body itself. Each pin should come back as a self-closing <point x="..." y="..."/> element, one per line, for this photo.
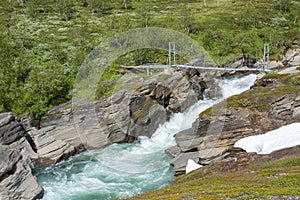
<point x="47" y="86"/>
<point x="6" y="74"/>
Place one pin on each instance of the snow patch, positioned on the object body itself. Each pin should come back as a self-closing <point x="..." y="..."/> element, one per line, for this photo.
<point x="284" y="137"/>
<point x="191" y="166"/>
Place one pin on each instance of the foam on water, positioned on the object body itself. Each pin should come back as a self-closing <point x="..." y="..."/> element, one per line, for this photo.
<point x="122" y="170"/>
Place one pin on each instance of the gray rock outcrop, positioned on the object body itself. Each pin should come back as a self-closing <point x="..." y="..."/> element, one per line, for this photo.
<point x="291" y="57"/>
<point x="211" y="138"/>
<point x="138" y="110"/>
<point x="16" y="154"/>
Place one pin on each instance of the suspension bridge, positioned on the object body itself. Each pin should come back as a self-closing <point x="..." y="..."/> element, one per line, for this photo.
<point x="172" y="51"/>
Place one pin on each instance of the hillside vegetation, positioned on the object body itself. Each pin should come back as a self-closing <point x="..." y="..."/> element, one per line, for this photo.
<point x="270" y="180"/>
<point x="43" y="42"/>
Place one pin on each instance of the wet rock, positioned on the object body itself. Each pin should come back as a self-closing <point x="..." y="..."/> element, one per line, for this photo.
<point x="148" y="87"/>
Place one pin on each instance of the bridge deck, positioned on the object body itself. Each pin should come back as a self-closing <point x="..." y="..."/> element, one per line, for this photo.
<point x="195" y="67"/>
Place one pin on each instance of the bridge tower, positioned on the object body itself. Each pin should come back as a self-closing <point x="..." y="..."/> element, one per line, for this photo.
<point x="172" y="49"/>
<point x="266" y="56"/>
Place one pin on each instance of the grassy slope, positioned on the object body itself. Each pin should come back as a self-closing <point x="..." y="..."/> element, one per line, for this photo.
<point x="261" y="99"/>
<point x="263" y="96"/>
<point x="46" y="41"/>
<point x="260" y="181"/>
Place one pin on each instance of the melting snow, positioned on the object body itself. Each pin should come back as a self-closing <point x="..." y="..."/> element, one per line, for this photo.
<point x="284" y="137"/>
<point x="191" y="166"/>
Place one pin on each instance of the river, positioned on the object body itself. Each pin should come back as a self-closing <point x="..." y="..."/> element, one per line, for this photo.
<point x="123" y="170"/>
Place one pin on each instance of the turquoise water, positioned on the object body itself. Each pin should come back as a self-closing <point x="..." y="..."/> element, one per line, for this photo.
<point x="106" y="174"/>
<point x="123" y="170"/>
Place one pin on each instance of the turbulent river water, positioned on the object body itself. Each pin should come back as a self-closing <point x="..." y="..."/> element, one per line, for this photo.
<point x="123" y="170"/>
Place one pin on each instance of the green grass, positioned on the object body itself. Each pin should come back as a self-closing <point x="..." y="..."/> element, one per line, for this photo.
<point x="107" y="81"/>
<point x="272" y="75"/>
<point x="260" y="180"/>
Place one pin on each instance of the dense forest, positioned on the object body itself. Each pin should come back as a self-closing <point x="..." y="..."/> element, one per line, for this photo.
<point x="44" y="42"/>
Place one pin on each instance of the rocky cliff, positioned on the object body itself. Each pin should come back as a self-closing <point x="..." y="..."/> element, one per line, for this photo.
<point x="272" y="102"/>
<point x="137" y="111"/>
<point x="16" y="154"/>
<point x="82" y="124"/>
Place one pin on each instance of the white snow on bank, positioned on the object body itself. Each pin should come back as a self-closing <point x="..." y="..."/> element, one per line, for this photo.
<point x="191" y="166"/>
<point x="284" y="137"/>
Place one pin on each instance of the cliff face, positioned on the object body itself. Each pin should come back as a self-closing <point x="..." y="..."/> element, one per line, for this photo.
<point x="16" y="154"/>
<point x="127" y="114"/>
<point x="273" y="101"/>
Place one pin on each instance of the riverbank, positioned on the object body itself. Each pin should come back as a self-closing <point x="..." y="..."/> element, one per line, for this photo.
<point x="229" y="172"/>
<point x="249" y="176"/>
<point x="272" y="102"/>
<point x="123" y="170"/>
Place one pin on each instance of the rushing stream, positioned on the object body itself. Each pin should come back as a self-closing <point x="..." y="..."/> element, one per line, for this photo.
<point x="122" y="170"/>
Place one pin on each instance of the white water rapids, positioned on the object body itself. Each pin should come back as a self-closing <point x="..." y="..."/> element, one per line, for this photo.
<point x="123" y="170"/>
